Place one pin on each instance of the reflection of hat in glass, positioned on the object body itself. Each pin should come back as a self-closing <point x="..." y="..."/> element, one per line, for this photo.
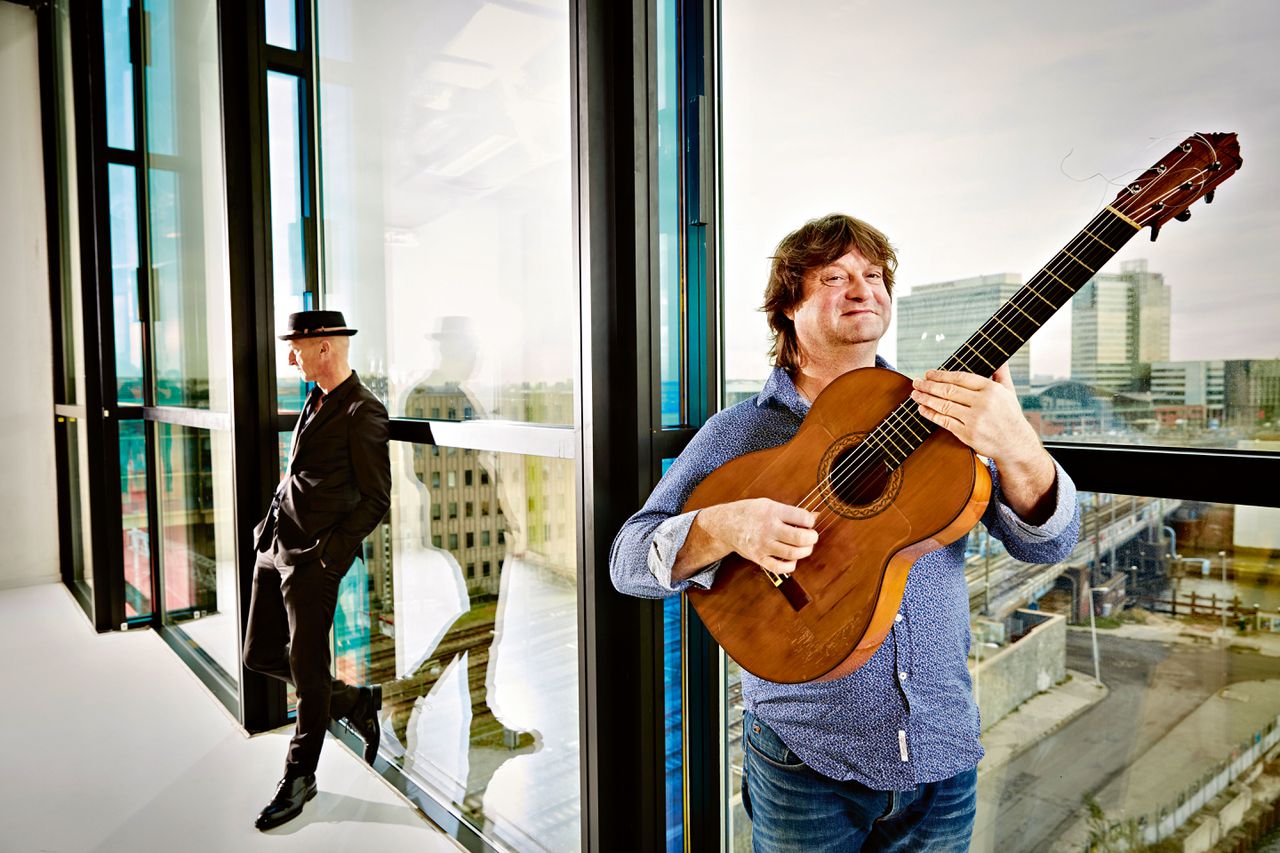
<point x="453" y="327"/>
<point x="316" y="324"/>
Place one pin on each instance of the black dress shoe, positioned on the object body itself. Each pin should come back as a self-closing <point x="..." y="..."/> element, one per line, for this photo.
<point x="291" y="795"/>
<point x="364" y="720"/>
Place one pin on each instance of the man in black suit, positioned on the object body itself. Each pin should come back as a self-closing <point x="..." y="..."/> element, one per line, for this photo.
<point x="335" y="491"/>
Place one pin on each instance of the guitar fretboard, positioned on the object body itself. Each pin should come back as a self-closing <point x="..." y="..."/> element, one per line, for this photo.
<point x="1013" y="324"/>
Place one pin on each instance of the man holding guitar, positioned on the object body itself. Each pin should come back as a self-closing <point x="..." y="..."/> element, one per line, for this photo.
<point x="884" y="757"/>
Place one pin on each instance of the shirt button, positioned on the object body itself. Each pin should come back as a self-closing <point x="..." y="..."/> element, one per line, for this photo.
<point x="902" y="675"/>
<point x="897" y="618"/>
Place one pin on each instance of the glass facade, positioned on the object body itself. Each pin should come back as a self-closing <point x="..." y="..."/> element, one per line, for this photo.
<point x="979" y="159"/>
<point x="118" y="77"/>
<point x="197" y="540"/>
<point x="123" y="198"/>
<point x="671" y="270"/>
<point x="282" y="23"/>
<point x="76" y="446"/>
<point x="445" y="165"/>
<point x="475" y="643"/>
<point x="135" y="527"/>
<point x="71" y="326"/>
<point x="187" y="213"/>
<point x="1170" y="606"/>
<point x="288" y="238"/>
<point x="1158" y="632"/>
<point x="445" y="183"/>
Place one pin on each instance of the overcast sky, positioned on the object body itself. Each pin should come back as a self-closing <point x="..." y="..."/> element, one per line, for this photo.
<point x="971" y="133"/>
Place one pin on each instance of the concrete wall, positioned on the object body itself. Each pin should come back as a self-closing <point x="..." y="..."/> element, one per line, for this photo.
<point x="28" y="498"/>
<point x="1232" y="814"/>
<point x="1022" y="669"/>
<point x="1203" y="838"/>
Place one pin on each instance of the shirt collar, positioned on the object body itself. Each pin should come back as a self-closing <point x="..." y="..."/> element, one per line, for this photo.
<point x="779" y="389"/>
<point x="340" y="388"/>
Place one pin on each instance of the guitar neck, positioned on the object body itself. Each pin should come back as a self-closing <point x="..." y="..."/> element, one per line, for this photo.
<point x="1014" y="323"/>
<point x="1041" y="297"/>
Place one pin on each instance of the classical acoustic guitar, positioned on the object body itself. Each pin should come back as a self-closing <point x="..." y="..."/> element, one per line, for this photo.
<point x="887" y="485"/>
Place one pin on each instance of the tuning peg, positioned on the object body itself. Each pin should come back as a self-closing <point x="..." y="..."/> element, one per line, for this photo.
<point x="1184" y="215"/>
<point x="1208" y="197"/>
<point x="1155" y="232"/>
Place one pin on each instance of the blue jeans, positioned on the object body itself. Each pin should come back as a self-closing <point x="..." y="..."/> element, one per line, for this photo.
<point x="794" y="808"/>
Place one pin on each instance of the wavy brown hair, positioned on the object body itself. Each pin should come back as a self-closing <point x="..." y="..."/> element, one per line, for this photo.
<point x="815" y="244"/>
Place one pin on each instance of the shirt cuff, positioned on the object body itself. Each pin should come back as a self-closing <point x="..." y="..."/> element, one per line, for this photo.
<point x="1063" y="513"/>
<point x="668" y="539"/>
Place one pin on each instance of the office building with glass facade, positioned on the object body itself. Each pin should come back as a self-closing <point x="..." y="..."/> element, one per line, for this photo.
<point x="935" y="319"/>
<point x="1119" y="326"/>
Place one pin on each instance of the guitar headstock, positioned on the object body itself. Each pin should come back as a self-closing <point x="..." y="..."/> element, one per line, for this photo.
<point x="1186" y="174"/>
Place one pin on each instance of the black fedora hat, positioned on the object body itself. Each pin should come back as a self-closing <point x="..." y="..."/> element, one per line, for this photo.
<point x="316" y="324"/>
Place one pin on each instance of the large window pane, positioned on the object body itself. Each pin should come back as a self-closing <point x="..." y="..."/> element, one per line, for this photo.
<point x="981" y="138"/>
<point x="79" y="537"/>
<point x="72" y="305"/>
<point x="288" y="252"/>
<point x="123" y="201"/>
<point x="1173" y="605"/>
<point x="282" y="23"/>
<point x="446" y="184"/>
<point x="187" y="213"/>
<point x="133" y="512"/>
<point x="198" y="570"/>
<point x="671" y="290"/>
<point x="118" y="81"/>
<point x="463" y="605"/>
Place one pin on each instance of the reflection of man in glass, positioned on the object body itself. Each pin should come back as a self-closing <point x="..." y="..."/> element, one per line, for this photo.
<point x="334" y="493"/>
<point x="885" y="757"/>
<point x="474" y="521"/>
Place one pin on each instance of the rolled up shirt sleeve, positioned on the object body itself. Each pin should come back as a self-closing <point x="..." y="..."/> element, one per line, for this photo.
<point x="644" y="551"/>
<point x="668" y="539"/>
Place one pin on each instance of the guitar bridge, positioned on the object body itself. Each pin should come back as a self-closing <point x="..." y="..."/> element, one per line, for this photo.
<point x="795" y="594"/>
<point x="790" y="588"/>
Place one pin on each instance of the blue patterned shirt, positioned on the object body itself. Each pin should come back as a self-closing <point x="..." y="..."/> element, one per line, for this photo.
<point x="907" y="716"/>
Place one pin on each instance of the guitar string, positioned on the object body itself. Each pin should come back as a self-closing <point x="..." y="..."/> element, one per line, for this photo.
<point x="898" y="420"/>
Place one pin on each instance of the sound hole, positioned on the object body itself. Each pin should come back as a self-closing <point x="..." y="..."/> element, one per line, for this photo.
<point x="855" y="479"/>
<point x="859" y="476"/>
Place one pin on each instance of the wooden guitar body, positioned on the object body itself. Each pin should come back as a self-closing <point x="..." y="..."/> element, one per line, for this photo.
<point x="831" y="615"/>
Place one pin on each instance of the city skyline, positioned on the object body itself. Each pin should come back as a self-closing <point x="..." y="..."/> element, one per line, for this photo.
<point x="1048" y="109"/>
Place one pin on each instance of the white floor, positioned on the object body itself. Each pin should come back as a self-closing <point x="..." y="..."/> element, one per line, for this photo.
<point x="109" y="743"/>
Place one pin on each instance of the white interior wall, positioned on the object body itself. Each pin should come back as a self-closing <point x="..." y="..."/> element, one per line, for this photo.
<point x="28" y="494"/>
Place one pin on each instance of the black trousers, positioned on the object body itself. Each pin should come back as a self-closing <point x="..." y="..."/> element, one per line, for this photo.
<point x="290" y="616"/>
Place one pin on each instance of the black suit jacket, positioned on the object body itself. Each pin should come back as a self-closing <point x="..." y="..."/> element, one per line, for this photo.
<point x="338" y="484"/>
